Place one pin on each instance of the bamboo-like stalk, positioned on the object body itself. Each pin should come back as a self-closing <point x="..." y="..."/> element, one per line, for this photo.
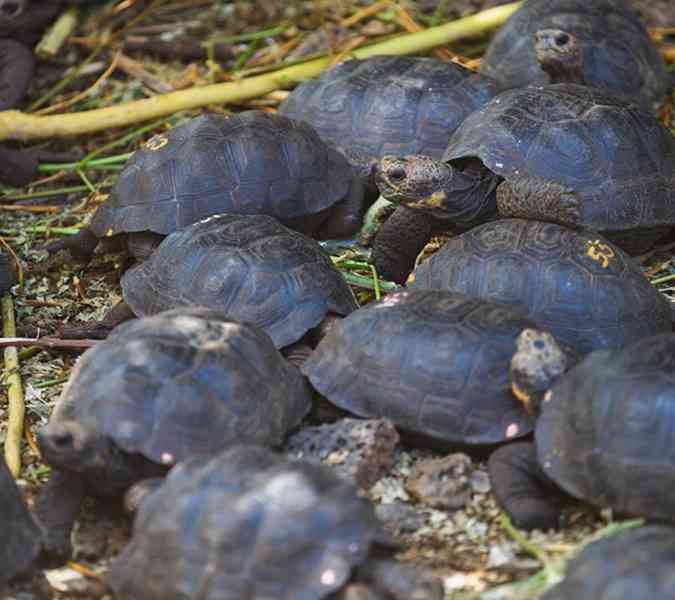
<point x="16" y="125"/>
<point x="15" y="398"/>
<point x="57" y="34"/>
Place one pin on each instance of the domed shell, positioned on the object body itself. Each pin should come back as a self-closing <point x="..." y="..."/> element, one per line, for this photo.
<point x="618" y="52"/>
<point x="433" y="362"/>
<point x="20" y="535"/>
<point x="390" y="104"/>
<point x="606" y="433"/>
<point x="245" y="524"/>
<point x="587" y="292"/>
<point x="618" y="159"/>
<point x="249" y="163"/>
<point x="251" y="268"/>
<point x="185" y="382"/>
<point x="637" y="564"/>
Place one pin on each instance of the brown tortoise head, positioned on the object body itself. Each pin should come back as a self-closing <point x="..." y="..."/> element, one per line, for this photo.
<point x="560" y="54"/>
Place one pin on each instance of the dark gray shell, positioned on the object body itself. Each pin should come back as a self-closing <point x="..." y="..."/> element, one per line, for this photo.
<point x="617" y="158"/>
<point x="250" y="163"/>
<point x="432" y="362"/>
<point x="251" y="268"/>
<point x="390" y="104"/>
<point x="20" y="535"/>
<point x="245" y="524"/>
<point x="587" y="292"/>
<point x="182" y="383"/>
<point x="606" y="434"/>
<point x="638" y="564"/>
<point x="618" y="52"/>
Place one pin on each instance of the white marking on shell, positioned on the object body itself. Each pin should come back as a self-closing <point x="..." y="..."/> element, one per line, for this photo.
<point x="328" y="577"/>
<point x="167" y="458"/>
<point x="512" y="430"/>
<point x="547" y="396"/>
<point x="499" y="165"/>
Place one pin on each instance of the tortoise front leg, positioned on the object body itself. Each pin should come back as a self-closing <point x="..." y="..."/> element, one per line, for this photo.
<point x="400" y="239"/>
<point x="56" y="507"/>
<point x="525" y="493"/>
<point x="345" y="218"/>
<point x="539" y="200"/>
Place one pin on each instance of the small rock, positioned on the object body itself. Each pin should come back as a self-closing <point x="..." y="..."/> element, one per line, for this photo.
<point x="442" y="483"/>
<point x="480" y="482"/>
<point x="399" y="517"/>
<point x="360" y="450"/>
<point x="500" y="555"/>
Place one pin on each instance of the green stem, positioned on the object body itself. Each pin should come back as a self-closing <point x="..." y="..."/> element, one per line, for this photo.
<point x="46" y="193"/>
<point x="248" y="37"/>
<point x="85" y="164"/>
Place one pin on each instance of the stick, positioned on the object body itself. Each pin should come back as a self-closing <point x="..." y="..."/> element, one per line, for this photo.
<point x="57" y="34"/>
<point x="16" y="407"/>
<point x="16" y="125"/>
<point x="46" y="342"/>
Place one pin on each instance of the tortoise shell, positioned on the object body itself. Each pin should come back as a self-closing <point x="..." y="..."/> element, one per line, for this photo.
<point x="184" y="382"/>
<point x="587" y="292"/>
<point x="245" y="524"/>
<point x="20" y="534"/>
<point x="251" y="268"/>
<point x="605" y="432"/>
<point x="435" y="363"/>
<point x="618" y="54"/>
<point x="618" y="160"/>
<point x="636" y="564"/>
<point x="390" y="104"/>
<point x="249" y="163"/>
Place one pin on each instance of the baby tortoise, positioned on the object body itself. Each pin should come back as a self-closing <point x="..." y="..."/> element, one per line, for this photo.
<point x="251" y="524"/>
<point x="603" y="435"/>
<point x="565" y="153"/>
<point x="249" y="163"/>
<point x="250" y="268"/>
<point x="159" y="390"/>
<point x="602" y="44"/>
<point x="435" y="363"/>
<point x="583" y="289"/>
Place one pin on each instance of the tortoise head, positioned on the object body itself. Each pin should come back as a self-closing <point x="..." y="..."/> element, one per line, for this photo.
<point x="538" y="363"/>
<point x="560" y="54"/>
<point x="69" y="446"/>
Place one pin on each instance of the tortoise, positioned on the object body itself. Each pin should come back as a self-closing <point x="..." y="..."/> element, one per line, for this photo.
<point x="603" y="435"/>
<point x="564" y="153"/>
<point x="249" y="267"/>
<point x="20" y="534"/>
<point x="249" y="163"/>
<point x="249" y="523"/>
<point x="579" y="286"/>
<point x="602" y="44"/>
<point x="435" y="363"/>
<point x="158" y="390"/>
<point x="637" y="563"/>
<point x="390" y="105"/>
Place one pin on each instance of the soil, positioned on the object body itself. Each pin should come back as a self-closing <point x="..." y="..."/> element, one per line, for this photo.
<point x="467" y="545"/>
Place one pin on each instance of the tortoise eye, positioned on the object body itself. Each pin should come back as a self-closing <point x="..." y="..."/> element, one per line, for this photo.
<point x="397" y="174"/>
<point x="562" y="39"/>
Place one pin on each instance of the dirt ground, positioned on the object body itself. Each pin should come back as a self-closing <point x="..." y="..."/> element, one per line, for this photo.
<point x="468" y="547"/>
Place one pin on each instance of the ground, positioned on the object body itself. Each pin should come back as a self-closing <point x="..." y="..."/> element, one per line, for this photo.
<point x="469" y="547"/>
